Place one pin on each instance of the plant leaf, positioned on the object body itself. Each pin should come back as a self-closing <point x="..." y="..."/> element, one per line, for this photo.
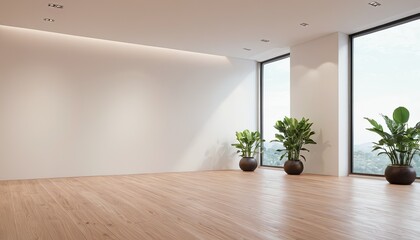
<point x="401" y="115"/>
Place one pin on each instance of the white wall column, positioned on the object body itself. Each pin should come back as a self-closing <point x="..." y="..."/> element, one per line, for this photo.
<point x="320" y="92"/>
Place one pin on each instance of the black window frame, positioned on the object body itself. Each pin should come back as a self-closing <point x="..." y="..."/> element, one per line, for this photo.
<point x="261" y="112"/>
<point x="351" y="38"/>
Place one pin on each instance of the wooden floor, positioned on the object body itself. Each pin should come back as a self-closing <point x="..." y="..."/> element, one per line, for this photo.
<point x="266" y="204"/>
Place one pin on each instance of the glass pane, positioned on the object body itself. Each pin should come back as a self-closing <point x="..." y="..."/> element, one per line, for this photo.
<point x="276" y="105"/>
<point x="386" y="75"/>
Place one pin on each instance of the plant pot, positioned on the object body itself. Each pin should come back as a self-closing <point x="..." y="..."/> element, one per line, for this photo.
<point x="248" y="164"/>
<point x="403" y="175"/>
<point x="293" y="167"/>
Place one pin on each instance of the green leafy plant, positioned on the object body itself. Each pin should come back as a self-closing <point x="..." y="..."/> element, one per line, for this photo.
<point x="293" y="134"/>
<point x="402" y="143"/>
<point x="249" y="143"/>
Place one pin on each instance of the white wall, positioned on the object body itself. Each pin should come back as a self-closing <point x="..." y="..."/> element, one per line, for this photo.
<point x="72" y="106"/>
<point x="319" y="91"/>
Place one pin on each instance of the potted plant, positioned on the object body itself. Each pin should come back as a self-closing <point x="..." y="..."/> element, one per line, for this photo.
<point x="249" y="143"/>
<point x="293" y="134"/>
<point x="400" y="145"/>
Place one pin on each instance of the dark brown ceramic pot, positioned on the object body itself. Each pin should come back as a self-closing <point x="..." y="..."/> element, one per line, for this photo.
<point x="403" y="175"/>
<point x="248" y="164"/>
<point x="293" y="167"/>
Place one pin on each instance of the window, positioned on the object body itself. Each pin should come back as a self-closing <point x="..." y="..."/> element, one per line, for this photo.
<point x="275" y="104"/>
<point x="386" y="75"/>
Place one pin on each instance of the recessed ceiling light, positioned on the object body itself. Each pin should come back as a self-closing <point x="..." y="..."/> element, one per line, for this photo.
<point x="374" y="4"/>
<point x="246" y="49"/>
<point x="265" y="40"/>
<point x="304" y="24"/>
<point x="49" y="20"/>
<point x="54" y="5"/>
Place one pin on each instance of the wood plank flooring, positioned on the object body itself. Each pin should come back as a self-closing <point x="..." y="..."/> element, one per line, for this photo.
<point x="266" y="204"/>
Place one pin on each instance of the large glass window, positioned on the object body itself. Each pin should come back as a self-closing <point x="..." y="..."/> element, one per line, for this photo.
<point x="386" y="75"/>
<point x="275" y="104"/>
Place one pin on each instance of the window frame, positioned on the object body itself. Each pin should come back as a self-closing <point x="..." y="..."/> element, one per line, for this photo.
<point x="351" y="39"/>
<point x="261" y="112"/>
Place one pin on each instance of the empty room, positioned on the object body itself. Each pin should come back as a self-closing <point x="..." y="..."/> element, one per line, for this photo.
<point x="200" y="119"/>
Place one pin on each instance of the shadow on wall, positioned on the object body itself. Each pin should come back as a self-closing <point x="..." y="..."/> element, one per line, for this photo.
<point x="316" y="163"/>
<point x="219" y="107"/>
<point x="220" y="156"/>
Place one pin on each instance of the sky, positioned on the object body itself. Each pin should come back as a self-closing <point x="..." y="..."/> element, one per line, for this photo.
<point x="276" y="97"/>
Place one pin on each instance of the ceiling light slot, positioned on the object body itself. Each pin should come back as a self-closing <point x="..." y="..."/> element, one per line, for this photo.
<point x="54" y="5"/>
<point x="304" y="24"/>
<point x="374" y="4"/>
<point x="49" y="20"/>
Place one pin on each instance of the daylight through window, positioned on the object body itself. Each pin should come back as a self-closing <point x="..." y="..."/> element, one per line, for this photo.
<point x="386" y="75"/>
<point x="275" y="104"/>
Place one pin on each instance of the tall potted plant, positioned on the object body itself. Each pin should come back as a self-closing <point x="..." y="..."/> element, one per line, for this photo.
<point x="401" y="144"/>
<point x="249" y="143"/>
<point x="293" y="134"/>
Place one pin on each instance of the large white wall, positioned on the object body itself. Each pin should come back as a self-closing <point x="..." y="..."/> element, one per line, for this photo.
<point x="319" y="91"/>
<point x="72" y="106"/>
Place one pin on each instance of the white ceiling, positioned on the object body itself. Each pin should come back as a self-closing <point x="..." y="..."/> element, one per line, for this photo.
<point x="222" y="27"/>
